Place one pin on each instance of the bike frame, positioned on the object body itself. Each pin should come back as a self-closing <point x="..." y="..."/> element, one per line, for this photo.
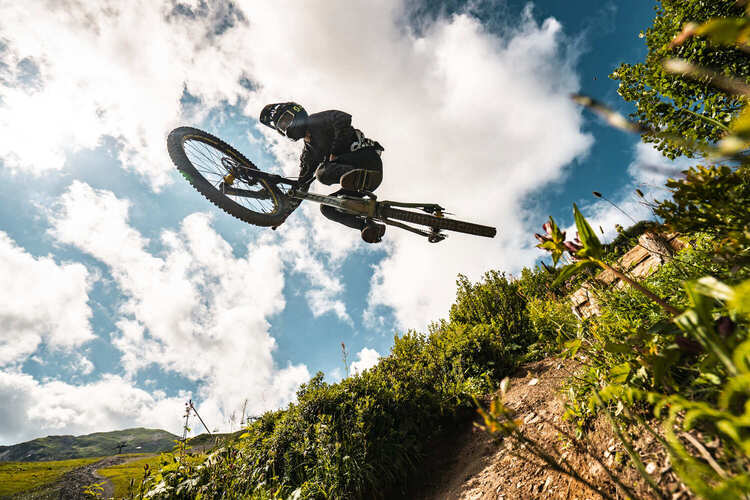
<point x="355" y="205"/>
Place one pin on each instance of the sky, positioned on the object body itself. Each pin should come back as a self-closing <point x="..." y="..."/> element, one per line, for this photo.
<point x="124" y="293"/>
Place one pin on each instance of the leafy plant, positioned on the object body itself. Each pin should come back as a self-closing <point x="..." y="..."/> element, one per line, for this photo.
<point x="695" y="111"/>
<point x="718" y="320"/>
<point x="713" y="200"/>
<point x="586" y="251"/>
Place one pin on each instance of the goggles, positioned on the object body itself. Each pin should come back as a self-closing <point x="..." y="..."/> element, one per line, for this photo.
<point x="284" y="121"/>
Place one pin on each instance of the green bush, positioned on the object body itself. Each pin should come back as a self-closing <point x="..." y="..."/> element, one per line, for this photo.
<point x="553" y="323"/>
<point x="365" y="434"/>
<point x="713" y="200"/>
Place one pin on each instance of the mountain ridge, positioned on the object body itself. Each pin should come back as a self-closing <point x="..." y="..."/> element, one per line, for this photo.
<point x="62" y="447"/>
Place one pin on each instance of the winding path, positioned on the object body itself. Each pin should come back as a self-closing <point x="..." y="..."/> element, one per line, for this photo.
<point x="74" y="482"/>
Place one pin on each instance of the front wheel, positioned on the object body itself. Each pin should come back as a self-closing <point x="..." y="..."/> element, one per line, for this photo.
<point x="206" y="162"/>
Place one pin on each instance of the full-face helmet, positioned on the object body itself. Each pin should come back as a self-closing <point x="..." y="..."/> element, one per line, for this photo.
<point x="287" y="118"/>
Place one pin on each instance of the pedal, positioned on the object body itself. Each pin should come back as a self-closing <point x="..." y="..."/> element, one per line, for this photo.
<point x="436" y="236"/>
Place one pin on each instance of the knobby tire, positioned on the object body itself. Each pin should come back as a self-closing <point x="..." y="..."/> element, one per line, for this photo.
<point x="175" y="145"/>
<point x="438" y="222"/>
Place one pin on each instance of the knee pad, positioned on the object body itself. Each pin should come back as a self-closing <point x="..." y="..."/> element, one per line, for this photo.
<point x="319" y="173"/>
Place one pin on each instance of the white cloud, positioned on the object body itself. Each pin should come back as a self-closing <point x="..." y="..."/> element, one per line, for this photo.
<point x="194" y="309"/>
<point x="470" y="119"/>
<point x="29" y="408"/>
<point x="106" y="68"/>
<point x="648" y="172"/>
<point x="366" y="359"/>
<point x="41" y="302"/>
<point x="325" y="289"/>
<point x="83" y="365"/>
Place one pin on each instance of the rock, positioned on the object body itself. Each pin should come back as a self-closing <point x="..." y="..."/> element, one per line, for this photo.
<point x="533" y="381"/>
<point x="650" y="467"/>
<point x="547" y="483"/>
<point x="595" y="469"/>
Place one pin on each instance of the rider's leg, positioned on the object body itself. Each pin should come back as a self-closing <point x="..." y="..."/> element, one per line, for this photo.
<point x="371" y="231"/>
<point x="366" y="159"/>
<point x="349" y="220"/>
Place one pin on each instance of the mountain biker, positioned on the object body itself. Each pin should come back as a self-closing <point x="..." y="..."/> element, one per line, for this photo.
<point x="334" y="153"/>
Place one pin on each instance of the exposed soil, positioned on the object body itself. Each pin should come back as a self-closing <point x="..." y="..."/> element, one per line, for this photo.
<point x="471" y="465"/>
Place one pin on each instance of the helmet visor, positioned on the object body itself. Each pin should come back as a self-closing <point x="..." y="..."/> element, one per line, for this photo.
<point x="284" y="121"/>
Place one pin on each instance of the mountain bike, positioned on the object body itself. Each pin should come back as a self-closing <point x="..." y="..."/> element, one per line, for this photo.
<point x="236" y="185"/>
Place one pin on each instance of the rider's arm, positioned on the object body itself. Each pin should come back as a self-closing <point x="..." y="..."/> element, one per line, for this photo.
<point x="308" y="162"/>
<point x="341" y="123"/>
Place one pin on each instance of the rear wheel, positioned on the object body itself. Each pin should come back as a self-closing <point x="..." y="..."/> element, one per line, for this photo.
<point x="206" y="162"/>
<point x="438" y="222"/>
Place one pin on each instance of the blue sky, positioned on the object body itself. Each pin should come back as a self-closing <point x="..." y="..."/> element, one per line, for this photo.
<point x="125" y="292"/>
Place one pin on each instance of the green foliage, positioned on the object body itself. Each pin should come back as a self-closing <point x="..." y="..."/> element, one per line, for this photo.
<point x="727" y="416"/>
<point x="127" y="478"/>
<point x="713" y="200"/>
<point x="554" y="324"/>
<point x="672" y="104"/>
<point x="634" y="330"/>
<point x="365" y="434"/>
<point x="496" y="303"/>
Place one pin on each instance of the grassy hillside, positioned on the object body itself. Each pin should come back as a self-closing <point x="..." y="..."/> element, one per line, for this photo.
<point x="122" y="474"/>
<point x="21" y="476"/>
<point x="138" y="440"/>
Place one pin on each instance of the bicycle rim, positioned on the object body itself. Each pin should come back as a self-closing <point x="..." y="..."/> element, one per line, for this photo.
<point x="206" y="161"/>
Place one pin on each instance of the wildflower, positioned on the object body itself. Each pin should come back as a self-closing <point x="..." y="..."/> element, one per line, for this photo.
<point x="542" y="238"/>
<point x="573" y="247"/>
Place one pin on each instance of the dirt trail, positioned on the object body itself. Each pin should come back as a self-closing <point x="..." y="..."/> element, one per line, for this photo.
<point x="72" y="484"/>
<point x="470" y="465"/>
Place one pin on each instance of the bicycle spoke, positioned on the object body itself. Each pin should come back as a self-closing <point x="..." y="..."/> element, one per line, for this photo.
<point x="212" y="165"/>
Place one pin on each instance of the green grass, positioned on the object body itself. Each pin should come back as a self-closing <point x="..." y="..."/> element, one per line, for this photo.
<point x="21" y="476"/>
<point x="121" y="474"/>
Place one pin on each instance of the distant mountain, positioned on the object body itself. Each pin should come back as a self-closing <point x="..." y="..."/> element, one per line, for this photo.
<point x="137" y="440"/>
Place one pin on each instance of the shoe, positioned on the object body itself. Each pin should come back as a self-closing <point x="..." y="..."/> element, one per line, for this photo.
<point x="361" y="180"/>
<point x="373" y="232"/>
